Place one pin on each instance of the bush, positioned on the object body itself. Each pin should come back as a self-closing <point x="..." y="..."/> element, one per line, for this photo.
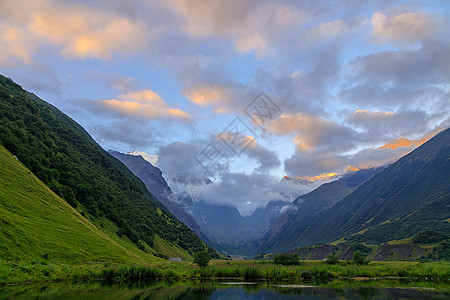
<point x="202" y="258"/>
<point x="332" y="259"/>
<point x="307" y="276"/>
<point x="360" y="259"/>
<point x="286" y="259"/>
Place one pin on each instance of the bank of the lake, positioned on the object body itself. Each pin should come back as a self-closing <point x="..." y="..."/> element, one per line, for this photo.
<point x="317" y="271"/>
<point x="220" y="289"/>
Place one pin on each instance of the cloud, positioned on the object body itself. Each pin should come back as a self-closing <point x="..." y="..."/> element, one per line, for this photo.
<point x="213" y="95"/>
<point x="125" y="136"/>
<point x="313" y="132"/>
<point x="402" y="142"/>
<point x="406" y="69"/>
<point x="375" y="157"/>
<point x="237" y="189"/>
<point x="111" y="79"/>
<point x="145" y="104"/>
<point x="251" y="25"/>
<point x="404" y="27"/>
<point x="179" y="157"/>
<point x="17" y="46"/>
<point x="267" y="159"/>
<point x="388" y="124"/>
<point x="78" y="30"/>
<point x="304" y="164"/>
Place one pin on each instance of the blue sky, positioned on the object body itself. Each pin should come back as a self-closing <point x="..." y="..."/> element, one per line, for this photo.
<point x="167" y="78"/>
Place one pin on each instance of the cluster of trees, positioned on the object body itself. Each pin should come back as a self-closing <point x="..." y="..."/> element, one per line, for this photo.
<point x="429" y="237"/>
<point x="62" y="155"/>
<point x="358" y="258"/>
<point x="286" y="259"/>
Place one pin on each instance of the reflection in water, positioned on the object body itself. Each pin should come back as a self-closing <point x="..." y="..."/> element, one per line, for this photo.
<point x="216" y="290"/>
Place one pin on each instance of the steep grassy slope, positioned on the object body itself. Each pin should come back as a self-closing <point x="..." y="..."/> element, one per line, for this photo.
<point x="409" y="196"/>
<point x="63" y="156"/>
<point x="37" y="224"/>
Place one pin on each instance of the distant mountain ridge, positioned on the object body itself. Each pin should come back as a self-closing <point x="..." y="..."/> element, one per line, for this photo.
<point x="285" y="233"/>
<point x="409" y="196"/>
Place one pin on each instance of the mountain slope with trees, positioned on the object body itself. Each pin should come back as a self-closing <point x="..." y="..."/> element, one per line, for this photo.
<point x="36" y="224"/>
<point x="286" y="232"/>
<point x="64" y="157"/>
<point x="409" y="196"/>
<point x="157" y="185"/>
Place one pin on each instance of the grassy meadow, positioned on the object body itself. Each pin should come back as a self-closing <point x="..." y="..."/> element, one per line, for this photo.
<point x="248" y="270"/>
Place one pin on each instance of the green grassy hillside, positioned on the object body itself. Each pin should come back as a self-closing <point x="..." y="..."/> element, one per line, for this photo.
<point x="36" y="224"/>
<point x="65" y="158"/>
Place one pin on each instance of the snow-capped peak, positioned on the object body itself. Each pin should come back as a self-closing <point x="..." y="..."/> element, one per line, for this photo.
<point x="153" y="159"/>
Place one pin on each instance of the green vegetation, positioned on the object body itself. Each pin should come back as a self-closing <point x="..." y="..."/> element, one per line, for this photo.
<point x="65" y="158"/>
<point x="332" y="259"/>
<point x="429" y="237"/>
<point x="38" y="227"/>
<point x="408" y="197"/>
<point x="202" y="258"/>
<point x="360" y="259"/>
<point x="286" y="259"/>
<point x="440" y="253"/>
<point x="309" y="271"/>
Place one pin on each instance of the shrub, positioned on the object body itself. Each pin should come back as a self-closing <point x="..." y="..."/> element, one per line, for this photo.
<point x="202" y="258"/>
<point x="307" y="276"/>
<point x="359" y="259"/>
<point x="286" y="259"/>
<point x="332" y="259"/>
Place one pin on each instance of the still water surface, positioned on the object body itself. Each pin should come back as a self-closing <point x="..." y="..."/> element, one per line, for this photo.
<point x="229" y="290"/>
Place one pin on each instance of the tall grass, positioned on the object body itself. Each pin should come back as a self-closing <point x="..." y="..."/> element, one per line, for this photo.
<point x="244" y="270"/>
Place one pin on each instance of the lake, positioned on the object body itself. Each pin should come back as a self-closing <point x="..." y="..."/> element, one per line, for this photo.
<point x="350" y="289"/>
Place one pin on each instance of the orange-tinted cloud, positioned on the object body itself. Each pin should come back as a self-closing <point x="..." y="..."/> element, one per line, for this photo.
<point x="406" y="27"/>
<point x="145" y="104"/>
<point x="15" y="45"/>
<point x="209" y="95"/>
<point x="403" y="142"/>
<point x="80" y="31"/>
<point x="312" y="132"/>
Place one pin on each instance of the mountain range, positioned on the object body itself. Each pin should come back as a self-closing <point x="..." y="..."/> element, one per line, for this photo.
<point x="373" y="205"/>
<point x="407" y="197"/>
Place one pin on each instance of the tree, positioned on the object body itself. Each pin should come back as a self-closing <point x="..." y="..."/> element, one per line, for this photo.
<point x="332" y="259"/>
<point x="202" y="258"/>
<point x="360" y="259"/>
<point x="286" y="259"/>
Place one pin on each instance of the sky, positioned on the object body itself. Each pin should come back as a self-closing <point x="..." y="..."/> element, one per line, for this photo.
<point x="242" y="92"/>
